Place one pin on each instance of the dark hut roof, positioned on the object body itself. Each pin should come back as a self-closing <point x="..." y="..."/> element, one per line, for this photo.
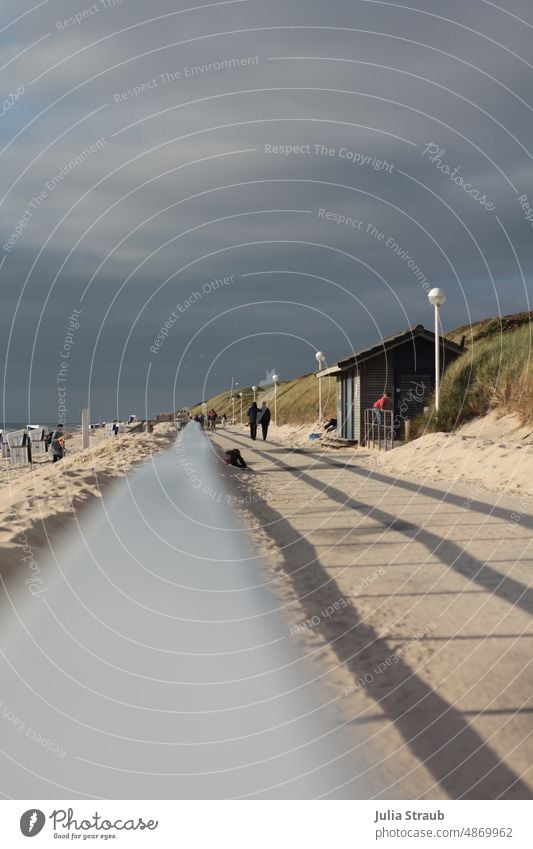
<point x="386" y="345"/>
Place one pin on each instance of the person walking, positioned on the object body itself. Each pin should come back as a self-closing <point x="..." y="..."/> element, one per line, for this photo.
<point x="379" y="406"/>
<point x="57" y="444"/>
<point x="252" y="420"/>
<point x="224" y="419"/>
<point x="264" y="419"/>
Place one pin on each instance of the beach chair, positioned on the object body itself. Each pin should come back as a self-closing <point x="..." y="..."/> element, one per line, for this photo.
<point x="18" y="447"/>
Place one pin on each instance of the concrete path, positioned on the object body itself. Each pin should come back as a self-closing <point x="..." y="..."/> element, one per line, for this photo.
<point x="414" y="603"/>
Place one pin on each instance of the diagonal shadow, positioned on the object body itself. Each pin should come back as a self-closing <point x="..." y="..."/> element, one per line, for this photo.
<point x="436" y="733"/>
<point x="447" y="551"/>
<point x="476" y="506"/>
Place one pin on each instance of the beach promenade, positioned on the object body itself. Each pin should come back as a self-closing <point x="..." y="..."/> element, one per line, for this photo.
<point x="413" y="601"/>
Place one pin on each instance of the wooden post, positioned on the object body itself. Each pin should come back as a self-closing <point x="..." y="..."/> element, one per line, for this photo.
<point x="85" y="428"/>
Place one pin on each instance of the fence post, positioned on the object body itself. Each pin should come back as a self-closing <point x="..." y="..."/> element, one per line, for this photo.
<point x="85" y="430"/>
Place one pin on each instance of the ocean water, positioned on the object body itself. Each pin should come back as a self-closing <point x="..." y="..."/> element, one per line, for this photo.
<point x="7" y="426"/>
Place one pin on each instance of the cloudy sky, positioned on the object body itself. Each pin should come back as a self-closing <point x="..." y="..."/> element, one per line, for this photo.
<point x="198" y="192"/>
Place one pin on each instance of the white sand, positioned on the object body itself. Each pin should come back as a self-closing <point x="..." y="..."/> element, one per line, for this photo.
<point x="493" y="453"/>
<point x="43" y="497"/>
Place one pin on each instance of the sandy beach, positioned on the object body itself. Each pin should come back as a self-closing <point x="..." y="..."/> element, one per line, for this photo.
<point x="39" y="500"/>
<point x="406" y="580"/>
<point x="403" y="577"/>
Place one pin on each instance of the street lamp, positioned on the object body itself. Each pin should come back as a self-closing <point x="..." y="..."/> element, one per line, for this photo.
<point x="275" y="378"/>
<point x="321" y="359"/>
<point x="254" y="390"/>
<point x="240" y="396"/>
<point x="233" y="409"/>
<point x="436" y="298"/>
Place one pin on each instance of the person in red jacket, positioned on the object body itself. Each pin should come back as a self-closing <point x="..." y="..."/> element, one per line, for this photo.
<point x="379" y="406"/>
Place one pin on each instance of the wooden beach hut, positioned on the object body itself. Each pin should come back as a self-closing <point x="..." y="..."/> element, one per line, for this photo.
<point x="403" y="364"/>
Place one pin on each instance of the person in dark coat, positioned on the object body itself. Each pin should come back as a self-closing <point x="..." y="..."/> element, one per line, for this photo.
<point x="57" y="444"/>
<point x="234" y="457"/>
<point x="264" y="418"/>
<point x="252" y="420"/>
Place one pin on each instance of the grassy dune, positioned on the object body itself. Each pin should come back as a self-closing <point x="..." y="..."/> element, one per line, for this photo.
<point x="297" y="400"/>
<point x="488" y="328"/>
<point x="495" y="373"/>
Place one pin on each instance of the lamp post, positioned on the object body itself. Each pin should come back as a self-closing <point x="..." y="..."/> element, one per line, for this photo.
<point x="254" y="390"/>
<point x="275" y="378"/>
<point x="240" y="396"/>
<point x="321" y="359"/>
<point x="233" y="409"/>
<point x="436" y="298"/>
<point x="234" y="383"/>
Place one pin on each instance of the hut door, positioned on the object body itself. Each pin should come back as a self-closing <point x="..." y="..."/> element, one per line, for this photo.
<point x="348" y="407"/>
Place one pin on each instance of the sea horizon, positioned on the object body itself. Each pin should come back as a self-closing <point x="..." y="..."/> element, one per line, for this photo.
<point x="9" y="426"/>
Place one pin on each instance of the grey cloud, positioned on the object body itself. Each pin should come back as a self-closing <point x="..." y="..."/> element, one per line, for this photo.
<point x="408" y="88"/>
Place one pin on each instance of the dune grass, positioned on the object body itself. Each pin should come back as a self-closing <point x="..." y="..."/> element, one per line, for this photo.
<point x="495" y="374"/>
<point x="297" y="400"/>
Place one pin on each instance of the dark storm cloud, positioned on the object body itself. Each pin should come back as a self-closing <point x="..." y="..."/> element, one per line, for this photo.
<point x="146" y="155"/>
